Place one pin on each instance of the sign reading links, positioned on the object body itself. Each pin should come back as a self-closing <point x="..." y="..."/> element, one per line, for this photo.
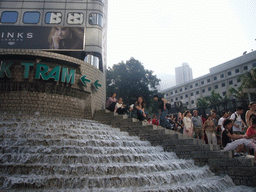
<point x="42" y="71"/>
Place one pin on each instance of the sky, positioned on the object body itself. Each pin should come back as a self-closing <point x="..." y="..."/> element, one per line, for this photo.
<point x="163" y="34"/>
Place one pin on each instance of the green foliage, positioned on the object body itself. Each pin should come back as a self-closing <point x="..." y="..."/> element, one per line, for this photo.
<point x="130" y="80"/>
<point x="202" y="103"/>
<point x="214" y="99"/>
<point x="249" y="79"/>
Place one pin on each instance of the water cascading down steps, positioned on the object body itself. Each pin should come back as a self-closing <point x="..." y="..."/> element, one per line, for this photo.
<point x="61" y="154"/>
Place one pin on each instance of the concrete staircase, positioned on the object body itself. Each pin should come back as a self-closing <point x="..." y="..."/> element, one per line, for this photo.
<point x="241" y="169"/>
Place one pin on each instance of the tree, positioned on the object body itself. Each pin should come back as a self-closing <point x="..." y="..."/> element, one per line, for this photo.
<point x="224" y="102"/>
<point x="249" y="79"/>
<point x="214" y="100"/>
<point x="239" y="95"/>
<point x="130" y="80"/>
<point x="202" y="103"/>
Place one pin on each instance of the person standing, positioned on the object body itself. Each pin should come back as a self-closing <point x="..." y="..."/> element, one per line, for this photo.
<point x="210" y="131"/>
<point x="163" y="111"/>
<point x="237" y="121"/>
<point x="222" y="119"/>
<point x="198" y="125"/>
<point x="188" y="125"/>
<point x="250" y="113"/>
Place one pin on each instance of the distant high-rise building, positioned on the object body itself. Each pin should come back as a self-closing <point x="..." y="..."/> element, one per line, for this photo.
<point x="183" y="74"/>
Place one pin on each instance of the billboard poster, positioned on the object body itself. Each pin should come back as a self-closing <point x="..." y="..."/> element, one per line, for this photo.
<point x="40" y="37"/>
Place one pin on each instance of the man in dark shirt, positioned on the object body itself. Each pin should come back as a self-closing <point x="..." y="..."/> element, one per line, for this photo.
<point x="228" y="136"/>
<point x="163" y="111"/>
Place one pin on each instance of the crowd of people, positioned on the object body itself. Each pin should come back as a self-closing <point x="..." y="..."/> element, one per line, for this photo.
<point x="229" y="131"/>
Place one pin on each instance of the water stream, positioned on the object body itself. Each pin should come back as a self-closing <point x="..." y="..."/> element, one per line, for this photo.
<point x="60" y="154"/>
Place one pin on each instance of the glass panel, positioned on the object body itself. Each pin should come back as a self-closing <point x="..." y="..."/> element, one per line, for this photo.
<point x="31" y="17"/>
<point x="9" y="17"/>
<point x="75" y="18"/>
<point x="96" y="19"/>
<point x="100" y="20"/>
<point x="53" y="18"/>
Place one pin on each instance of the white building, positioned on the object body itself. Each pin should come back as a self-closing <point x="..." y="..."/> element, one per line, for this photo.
<point x="183" y="74"/>
<point x="220" y="79"/>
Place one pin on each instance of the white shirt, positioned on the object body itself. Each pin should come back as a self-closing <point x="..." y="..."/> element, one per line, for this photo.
<point x="220" y="122"/>
<point x="237" y="122"/>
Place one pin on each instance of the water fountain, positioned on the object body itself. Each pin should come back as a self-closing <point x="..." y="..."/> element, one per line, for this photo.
<point x="61" y="154"/>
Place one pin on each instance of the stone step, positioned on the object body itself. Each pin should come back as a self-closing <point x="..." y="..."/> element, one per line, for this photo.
<point x="79" y="150"/>
<point x="114" y="181"/>
<point x="66" y="136"/>
<point x="73" y="142"/>
<point x="95" y="169"/>
<point x="22" y="133"/>
<point x="35" y="158"/>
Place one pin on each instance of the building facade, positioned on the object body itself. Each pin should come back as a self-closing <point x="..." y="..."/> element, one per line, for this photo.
<point x="183" y="74"/>
<point x="220" y="79"/>
<point x="53" y="56"/>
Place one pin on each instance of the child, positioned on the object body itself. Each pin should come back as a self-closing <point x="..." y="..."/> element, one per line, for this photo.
<point x="240" y="141"/>
<point x="154" y="120"/>
<point x="120" y="107"/>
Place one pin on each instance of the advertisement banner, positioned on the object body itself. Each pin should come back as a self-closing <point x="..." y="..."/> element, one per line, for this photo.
<point x="39" y="37"/>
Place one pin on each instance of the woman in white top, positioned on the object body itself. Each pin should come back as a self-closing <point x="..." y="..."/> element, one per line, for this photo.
<point x="188" y="125"/>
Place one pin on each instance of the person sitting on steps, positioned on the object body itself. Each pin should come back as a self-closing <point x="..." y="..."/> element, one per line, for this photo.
<point x="111" y="102"/>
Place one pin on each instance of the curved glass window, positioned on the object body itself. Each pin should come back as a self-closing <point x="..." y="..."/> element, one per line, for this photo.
<point x="9" y="17"/>
<point x="32" y="17"/>
<point x="96" y="19"/>
<point x="75" y="18"/>
<point x="53" y="18"/>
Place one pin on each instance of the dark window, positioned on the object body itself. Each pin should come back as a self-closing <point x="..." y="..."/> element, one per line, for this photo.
<point x="180" y="90"/>
<point x="96" y="19"/>
<point x="202" y="82"/>
<point x="53" y="18"/>
<point x="237" y="70"/>
<point x="216" y="87"/>
<point x="222" y="76"/>
<point x="186" y="88"/>
<point x="209" y="88"/>
<point x="245" y="67"/>
<point x="230" y="82"/>
<point x="208" y="80"/>
<point x="196" y="84"/>
<point x="31" y="17"/>
<point x="223" y="84"/>
<point x="238" y="80"/>
<point x="186" y="103"/>
<point x="203" y="90"/>
<point x="181" y="97"/>
<point x="229" y="73"/>
<point x="166" y="94"/>
<point x="191" y="86"/>
<point x="224" y="93"/>
<point x="186" y="96"/>
<point x="254" y="65"/>
<point x="171" y="93"/>
<point x="9" y="17"/>
<point x="191" y="94"/>
<point x="192" y="102"/>
<point x="171" y="100"/>
<point x="176" y="98"/>
<point x="215" y="78"/>
<point x="176" y="91"/>
<point x="197" y="92"/>
<point x="76" y="18"/>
